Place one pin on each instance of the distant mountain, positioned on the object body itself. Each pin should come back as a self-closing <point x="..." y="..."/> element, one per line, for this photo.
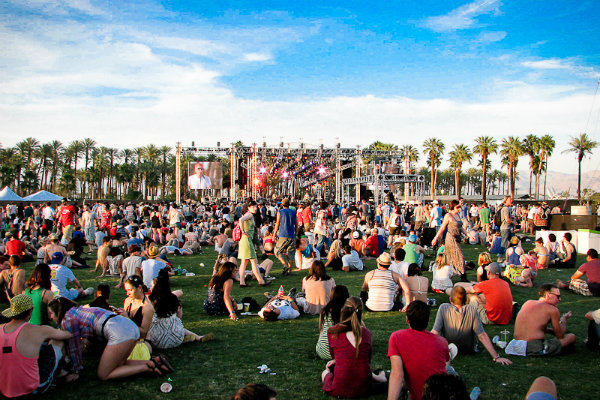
<point x="558" y="182"/>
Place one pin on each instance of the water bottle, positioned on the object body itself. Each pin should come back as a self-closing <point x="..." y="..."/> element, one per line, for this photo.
<point x="178" y="270"/>
<point x="475" y="393"/>
<point x="280" y="291"/>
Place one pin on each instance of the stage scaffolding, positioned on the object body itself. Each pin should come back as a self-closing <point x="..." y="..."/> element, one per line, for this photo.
<point x="301" y="160"/>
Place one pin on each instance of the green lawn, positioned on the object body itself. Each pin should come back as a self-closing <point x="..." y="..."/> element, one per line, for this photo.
<point x="214" y="370"/>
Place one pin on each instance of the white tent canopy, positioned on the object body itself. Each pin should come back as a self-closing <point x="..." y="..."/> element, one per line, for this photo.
<point x="43" y="195"/>
<point x="7" y="194"/>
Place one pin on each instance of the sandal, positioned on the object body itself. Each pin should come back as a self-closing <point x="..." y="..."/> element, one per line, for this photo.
<point x="267" y="283"/>
<point x="166" y="364"/>
<point x="245" y="285"/>
<point x="155" y="367"/>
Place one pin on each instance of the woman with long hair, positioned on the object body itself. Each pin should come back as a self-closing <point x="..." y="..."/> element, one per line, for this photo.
<point x="218" y="300"/>
<point x="137" y="307"/>
<point x="246" y="249"/>
<point x="166" y="330"/>
<point x="330" y="315"/>
<point x="442" y="274"/>
<point x="453" y="224"/>
<point x="316" y="287"/>
<point x="120" y="333"/>
<point x="351" y="350"/>
<point x="334" y="257"/>
<point x="417" y="283"/>
<point x="38" y="288"/>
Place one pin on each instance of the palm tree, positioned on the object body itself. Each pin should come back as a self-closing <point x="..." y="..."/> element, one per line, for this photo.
<point x="485" y="146"/>
<point x="531" y="147"/>
<point x="511" y="150"/>
<point x="164" y="154"/>
<point x="75" y="148"/>
<point x="88" y="146"/>
<point x="581" y="146"/>
<point x="460" y="154"/>
<point x="28" y="147"/>
<point x="547" y="145"/>
<point x="44" y="156"/>
<point x="434" y="149"/>
<point x="57" y="150"/>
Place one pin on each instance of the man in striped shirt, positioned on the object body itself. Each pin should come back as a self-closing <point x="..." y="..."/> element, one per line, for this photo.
<point x="381" y="285"/>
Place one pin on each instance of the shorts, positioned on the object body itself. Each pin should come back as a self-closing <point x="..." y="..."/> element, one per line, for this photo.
<point x="396" y="230"/>
<point x="68" y="232"/>
<point x="483" y="314"/>
<point x="545" y="347"/>
<point x="175" y="225"/>
<point x="285" y="245"/>
<point x="90" y="234"/>
<point x="540" y="396"/>
<point x="120" y="329"/>
<point x="48" y="360"/>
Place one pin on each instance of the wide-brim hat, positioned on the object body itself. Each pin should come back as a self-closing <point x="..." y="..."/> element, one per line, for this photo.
<point x="384" y="259"/>
<point x="18" y="304"/>
<point x="153" y="251"/>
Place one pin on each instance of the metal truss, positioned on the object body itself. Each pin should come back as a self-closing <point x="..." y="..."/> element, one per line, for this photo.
<point x="386" y="179"/>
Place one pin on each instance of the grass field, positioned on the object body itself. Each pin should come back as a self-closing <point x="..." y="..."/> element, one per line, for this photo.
<point x="214" y="370"/>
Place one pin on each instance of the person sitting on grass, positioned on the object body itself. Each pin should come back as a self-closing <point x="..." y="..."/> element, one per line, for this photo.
<point x="316" y="289"/>
<point x="351" y="260"/>
<point x="280" y="308"/>
<point x="542" y="256"/>
<point x="417" y="283"/>
<point x="330" y="315"/>
<point x="137" y="307"/>
<point x="12" y="281"/>
<point x="493" y="297"/>
<point x="166" y="330"/>
<point x="380" y="287"/>
<point x="460" y="324"/>
<point x="218" y="300"/>
<point x="442" y="275"/>
<point x="61" y="276"/>
<point x="568" y="254"/>
<point x="591" y="269"/>
<point x="349" y="374"/>
<point x="532" y="322"/>
<point x="30" y="353"/>
<point x="334" y="257"/>
<point x="102" y="298"/>
<point x="542" y="388"/>
<point x="120" y="333"/>
<point x="444" y="387"/>
<point x="39" y="289"/>
<point x="305" y="254"/>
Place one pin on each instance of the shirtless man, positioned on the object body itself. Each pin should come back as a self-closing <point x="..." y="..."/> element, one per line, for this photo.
<point x="533" y="319"/>
<point x="53" y="247"/>
<point x="102" y="256"/>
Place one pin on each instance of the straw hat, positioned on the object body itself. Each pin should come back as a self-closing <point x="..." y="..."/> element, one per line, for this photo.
<point x="153" y="251"/>
<point x="384" y="259"/>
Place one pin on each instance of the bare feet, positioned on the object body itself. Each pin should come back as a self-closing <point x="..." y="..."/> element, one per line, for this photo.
<point x="561" y="284"/>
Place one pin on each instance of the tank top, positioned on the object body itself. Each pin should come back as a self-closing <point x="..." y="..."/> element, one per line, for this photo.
<point x="513" y="257"/>
<point x="39" y="307"/>
<point x="138" y="316"/>
<point x="15" y="367"/>
<point x="382" y="290"/>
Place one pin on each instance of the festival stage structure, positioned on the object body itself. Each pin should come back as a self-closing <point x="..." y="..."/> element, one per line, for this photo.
<point x="309" y="167"/>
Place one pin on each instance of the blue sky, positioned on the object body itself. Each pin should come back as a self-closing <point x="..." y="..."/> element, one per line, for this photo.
<point x="310" y="71"/>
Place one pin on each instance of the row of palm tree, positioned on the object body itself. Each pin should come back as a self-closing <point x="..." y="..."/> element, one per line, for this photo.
<point x="149" y="170"/>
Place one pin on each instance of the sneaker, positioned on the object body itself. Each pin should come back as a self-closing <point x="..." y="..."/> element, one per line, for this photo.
<point x="208" y="337"/>
<point x="89" y="291"/>
<point x="453" y="350"/>
<point x="269" y="277"/>
<point x="292" y="293"/>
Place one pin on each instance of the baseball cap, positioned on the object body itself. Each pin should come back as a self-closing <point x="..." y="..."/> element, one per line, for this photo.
<point x="56" y="258"/>
<point x="384" y="259"/>
<point x="355" y="234"/>
<point x="412" y="238"/>
<point x="434" y="202"/>
<point x="494" y="268"/>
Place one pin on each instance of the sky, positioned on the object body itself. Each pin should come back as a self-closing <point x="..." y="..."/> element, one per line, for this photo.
<point x="132" y="73"/>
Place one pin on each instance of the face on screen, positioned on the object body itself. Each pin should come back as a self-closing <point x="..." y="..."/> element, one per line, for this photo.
<point x="199" y="168"/>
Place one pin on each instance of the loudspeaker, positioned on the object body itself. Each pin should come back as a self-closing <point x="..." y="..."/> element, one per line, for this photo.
<point x="574" y="222"/>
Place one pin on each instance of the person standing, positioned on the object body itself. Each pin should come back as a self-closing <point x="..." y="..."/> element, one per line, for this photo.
<point x="452" y="250"/>
<point x="285" y="235"/>
<point x="246" y="250"/>
<point x="67" y="214"/>
<point x="508" y="224"/>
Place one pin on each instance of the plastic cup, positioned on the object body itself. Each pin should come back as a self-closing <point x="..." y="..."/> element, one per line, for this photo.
<point x="166" y="387"/>
<point x="240" y="307"/>
<point x="246" y="307"/>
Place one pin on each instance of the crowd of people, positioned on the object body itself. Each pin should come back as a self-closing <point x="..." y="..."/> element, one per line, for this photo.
<point x="137" y="242"/>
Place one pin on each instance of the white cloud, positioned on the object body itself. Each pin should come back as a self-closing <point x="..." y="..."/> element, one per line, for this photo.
<point x="552" y="63"/>
<point x="491" y="37"/>
<point x="256" y="57"/>
<point x="59" y="7"/>
<point x="463" y="17"/>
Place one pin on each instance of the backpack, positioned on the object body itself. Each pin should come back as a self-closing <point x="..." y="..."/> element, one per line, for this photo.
<point x="498" y="218"/>
<point x="236" y="234"/>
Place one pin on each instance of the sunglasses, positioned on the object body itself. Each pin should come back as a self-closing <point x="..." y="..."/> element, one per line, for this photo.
<point x="556" y="294"/>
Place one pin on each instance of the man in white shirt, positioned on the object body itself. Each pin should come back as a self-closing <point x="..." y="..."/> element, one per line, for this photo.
<point x="152" y="266"/>
<point x="199" y="180"/>
<point x="351" y="260"/>
<point x="60" y="276"/>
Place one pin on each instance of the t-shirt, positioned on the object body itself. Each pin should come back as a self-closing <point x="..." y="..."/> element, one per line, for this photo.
<point x="592" y="270"/>
<point x="14" y="247"/>
<point x="67" y="215"/>
<point x="59" y="277"/>
<point x="505" y="213"/>
<point x="353" y="261"/>
<point x="317" y="294"/>
<point x="130" y="264"/>
<point x="286" y="311"/>
<point x="401" y="268"/>
<point x="150" y="269"/>
<point x="372" y="246"/>
<point x="498" y="300"/>
<point x="459" y="326"/>
<point x="423" y="354"/>
<point x="411" y="253"/>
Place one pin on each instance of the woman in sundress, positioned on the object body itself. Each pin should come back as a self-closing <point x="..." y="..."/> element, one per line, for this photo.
<point x="246" y="249"/>
<point x="453" y="225"/>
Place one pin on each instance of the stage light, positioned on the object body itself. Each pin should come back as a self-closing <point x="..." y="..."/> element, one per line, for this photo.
<point x="285" y="174"/>
<point x="322" y="170"/>
<point x="263" y="170"/>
